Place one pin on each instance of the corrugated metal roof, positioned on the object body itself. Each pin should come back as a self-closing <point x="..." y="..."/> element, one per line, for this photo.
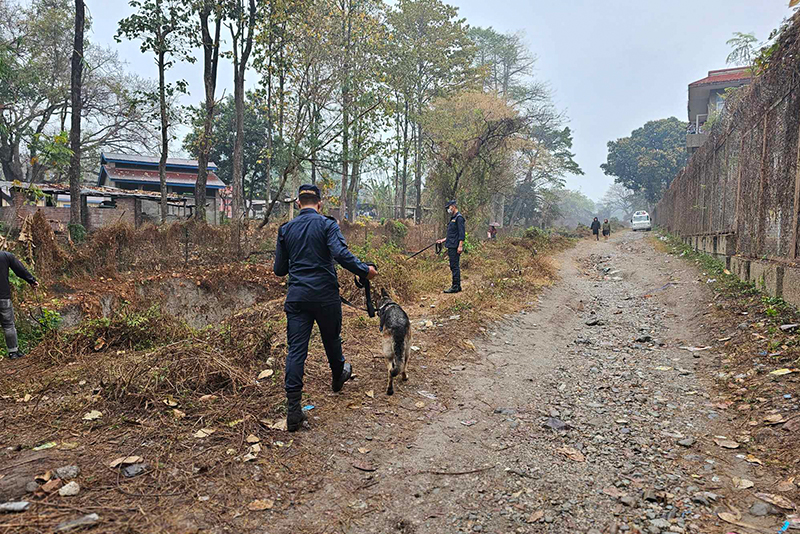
<point x="186" y="179"/>
<point x="99" y="191"/>
<point x="152" y="160"/>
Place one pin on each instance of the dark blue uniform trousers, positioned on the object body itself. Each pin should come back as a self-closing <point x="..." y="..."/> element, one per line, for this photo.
<point x="455" y="265"/>
<point x="300" y="318"/>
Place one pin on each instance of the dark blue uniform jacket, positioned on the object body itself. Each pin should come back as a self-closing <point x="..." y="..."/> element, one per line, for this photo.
<point x="307" y="247"/>
<point x="455" y="231"/>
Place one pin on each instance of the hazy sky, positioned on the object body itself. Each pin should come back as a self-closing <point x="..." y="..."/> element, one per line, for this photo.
<point x="612" y="64"/>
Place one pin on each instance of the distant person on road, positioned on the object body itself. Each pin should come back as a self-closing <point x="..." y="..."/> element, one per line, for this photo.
<point x="454" y="243"/>
<point x="307" y="248"/>
<point x="9" y="261"/>
<point x="596" y="229"/>
<point x="606" y="229"/>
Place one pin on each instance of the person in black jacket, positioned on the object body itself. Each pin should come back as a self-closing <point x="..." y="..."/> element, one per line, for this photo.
<point x="307" y="248"/>
<point x="454" y="243"/>
<point x="596" y="228"/>
<point x="9" y="261"/>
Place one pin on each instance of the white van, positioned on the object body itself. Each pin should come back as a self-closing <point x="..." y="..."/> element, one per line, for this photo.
<point x="641" y="221"/>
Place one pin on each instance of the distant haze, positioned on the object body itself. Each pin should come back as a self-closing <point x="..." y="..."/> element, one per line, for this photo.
<point x="613" y="65"/>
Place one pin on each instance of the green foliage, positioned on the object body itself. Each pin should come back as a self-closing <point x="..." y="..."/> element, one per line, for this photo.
<point x="30" y="334"/>
<point x="77" y="232"/>
<point x="397" y="231"/>
<point x="254" y="164"/>
<point x="650" y="158"/>
<point x="471" y="244"/>
<point x="743" y="47"/>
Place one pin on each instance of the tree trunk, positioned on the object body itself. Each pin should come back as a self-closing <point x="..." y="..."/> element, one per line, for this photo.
<point x="210" y="62"/>
<point x="162" y="162"/>
<point x="404" y="176"/>
<point x="346" y="28"/>
<point x="241" y="55"/>
<point x="77" y="107"/>
<point x="418" y="172"/>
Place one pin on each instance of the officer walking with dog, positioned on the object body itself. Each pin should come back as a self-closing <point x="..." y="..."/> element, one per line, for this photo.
<point x="307" y="248"/>
<point x="454" y="243"/>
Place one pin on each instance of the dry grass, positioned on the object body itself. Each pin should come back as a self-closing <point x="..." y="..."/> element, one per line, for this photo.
<point x="139" y="367"/>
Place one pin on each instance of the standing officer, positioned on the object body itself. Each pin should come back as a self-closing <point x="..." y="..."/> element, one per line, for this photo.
<point x="307" y="247"/>
<point x="454" y="242"/>
<point x="9" y="261"/>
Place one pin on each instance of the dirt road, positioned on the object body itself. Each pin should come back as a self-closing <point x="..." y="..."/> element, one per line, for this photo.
<point x="582" y="415"/>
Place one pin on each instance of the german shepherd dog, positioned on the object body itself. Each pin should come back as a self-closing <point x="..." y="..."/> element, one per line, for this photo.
<point x="396" y="329"/>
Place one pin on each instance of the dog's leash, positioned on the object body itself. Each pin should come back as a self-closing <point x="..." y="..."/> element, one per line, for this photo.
<point x="435" y="243"/>
<point x="362" y="282"/>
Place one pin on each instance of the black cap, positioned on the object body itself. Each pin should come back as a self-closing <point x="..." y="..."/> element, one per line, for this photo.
<point x="450" y="203"/>
<point x="309" y="189"/>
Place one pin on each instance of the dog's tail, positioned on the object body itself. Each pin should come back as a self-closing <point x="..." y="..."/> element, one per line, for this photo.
<point x="399" y="349"/>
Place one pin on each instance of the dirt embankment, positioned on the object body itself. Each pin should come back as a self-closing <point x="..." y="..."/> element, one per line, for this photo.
<point x="201" y="408"/>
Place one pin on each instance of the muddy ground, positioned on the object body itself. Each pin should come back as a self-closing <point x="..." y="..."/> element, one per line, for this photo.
<point x="582" y="414"/>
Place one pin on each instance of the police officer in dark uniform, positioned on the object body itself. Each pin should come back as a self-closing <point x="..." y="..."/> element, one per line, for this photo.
<point x="454" y="243"/>
<point x="307" y="248"/>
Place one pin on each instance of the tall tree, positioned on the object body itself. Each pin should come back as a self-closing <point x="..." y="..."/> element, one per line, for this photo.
<point x="75" y="131"/>
<point x="242" y="27"/>
<point x="650" y="158"/>
<point x="432" y="47"/>
<point x="207" y="10"/>
<point x="162" y="28"/>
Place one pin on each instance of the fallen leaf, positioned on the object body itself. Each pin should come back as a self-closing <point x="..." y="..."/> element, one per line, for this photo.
<point x="255" y="448"/>
<point x="261" y="505"/>
<point x="781" y="372"/>
<point x="93" y="415"/>
<point x="177" y="414"/>
<point x="753" y="460"/>
<point x="265" y="374"/>
<point x="778" y="500"/>
<point x="44" y="446"/>
<point x="68" y="445"/>
<point x="363" y="450"/>
<point x="51" y="485"/>
<point x="206" y="398"/>
<point x="169" y="401"/>
<point x="419" y="404"/>
<point x="572" y="454"/>
<point x="204" y="432"/>
<point x="100" y="344"/>
<point x="733" y="520"/>
<point x="469" y="344"/>
<point x="774" y="419"/>
<point x="249" y="457"/>
<point x="27" y="397"/>
<point x="364" y="466"/>
<point x="786" y="485"/>
<point x="742" y="483"/>
<point x="663" y="368"/>
<point x="370" y="394"/>
<point x="252" y="438"/>
<point x="280" y="424"/>
<point x="235" y="422"/>
<point x="726" y="443"/>
<point x="125" y="460"/>
<point x="535" y="516"/>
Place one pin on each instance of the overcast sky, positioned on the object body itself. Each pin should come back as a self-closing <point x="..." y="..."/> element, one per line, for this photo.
<point x="612" y="64"/>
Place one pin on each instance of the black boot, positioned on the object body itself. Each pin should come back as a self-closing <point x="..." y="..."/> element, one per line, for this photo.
<point x="15" y="355"/>
<point x="294" y="411"/>
<point x="453" y="289"/>
<point x="347" y="373"/>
